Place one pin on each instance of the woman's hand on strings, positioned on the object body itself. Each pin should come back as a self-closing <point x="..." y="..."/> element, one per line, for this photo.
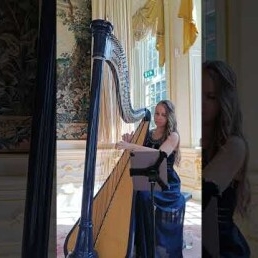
<point x="125" y="145"/>
<point x="122" y="145"/>
<point x="127" y="137"/>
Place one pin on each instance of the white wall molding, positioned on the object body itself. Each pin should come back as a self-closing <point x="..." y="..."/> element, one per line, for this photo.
<point x="195" y="80"/>
<point x="190" y="170"/>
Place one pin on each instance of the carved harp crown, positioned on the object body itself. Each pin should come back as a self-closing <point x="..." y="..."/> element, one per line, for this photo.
<point x="106" y="48"/>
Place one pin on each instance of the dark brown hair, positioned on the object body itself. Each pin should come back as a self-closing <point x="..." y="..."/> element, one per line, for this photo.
<point x="229" y="121"/>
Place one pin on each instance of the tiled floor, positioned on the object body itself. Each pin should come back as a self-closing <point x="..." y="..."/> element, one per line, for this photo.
<point x="193" y="213"/>
<point x="192" y="224"/>
<point x="68" y="211"/>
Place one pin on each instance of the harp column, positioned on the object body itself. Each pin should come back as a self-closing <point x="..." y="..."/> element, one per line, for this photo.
<point x="101" y="31"/>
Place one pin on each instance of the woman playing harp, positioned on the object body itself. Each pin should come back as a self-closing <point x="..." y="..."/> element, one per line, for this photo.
<point x="170" y="203"/>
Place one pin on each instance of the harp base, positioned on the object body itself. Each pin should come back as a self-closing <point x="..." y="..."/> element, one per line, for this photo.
<point x="82" y="255"/>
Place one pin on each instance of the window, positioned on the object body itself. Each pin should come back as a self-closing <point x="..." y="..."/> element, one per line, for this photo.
<point x="153" y="85"/>
<point x="209" y="29"/>
<point x="215" y="29"/>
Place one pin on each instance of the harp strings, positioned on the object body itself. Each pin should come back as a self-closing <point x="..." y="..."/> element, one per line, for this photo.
<point x="102" y="200"/>
<point x="110" y="162"/>
<point x="110" y="131"/>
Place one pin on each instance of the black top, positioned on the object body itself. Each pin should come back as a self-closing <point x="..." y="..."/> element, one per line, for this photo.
<point x="155" y="144"/>
<point x="232" y="242"/>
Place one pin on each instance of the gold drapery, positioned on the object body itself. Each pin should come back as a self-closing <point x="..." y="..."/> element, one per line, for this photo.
<point x="150" y="18"/>
<point x="190" y="28"/>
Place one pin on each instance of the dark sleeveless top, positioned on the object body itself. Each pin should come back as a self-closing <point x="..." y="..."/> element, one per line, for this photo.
<point x="232" y="242"/>
<point x="155" y="144"/>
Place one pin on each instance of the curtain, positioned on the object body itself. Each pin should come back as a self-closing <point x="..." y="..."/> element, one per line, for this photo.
<point x="150" y="18"/>
<point x="186" y="12"/>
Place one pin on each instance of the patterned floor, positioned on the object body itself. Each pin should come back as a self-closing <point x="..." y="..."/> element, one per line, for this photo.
<point x="192" y="229"/>
<point x="66" y="217"/>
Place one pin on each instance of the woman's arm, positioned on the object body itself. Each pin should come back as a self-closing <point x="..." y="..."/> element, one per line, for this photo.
<point x="132" y="146"/>
<point x="225" y="165"/>
<point x="170" y="144"/>
<point x="167" y="146"/>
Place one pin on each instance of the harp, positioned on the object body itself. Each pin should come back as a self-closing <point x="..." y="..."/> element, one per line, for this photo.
<point x="104" y="225"/>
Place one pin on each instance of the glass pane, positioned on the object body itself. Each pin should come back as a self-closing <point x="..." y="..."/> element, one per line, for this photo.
<point x="147" y="101"/>
<point x="153" y="100"/>
<point x="152" y="110"/>
<point x="147" y="90"/>
<point x="149" y="44"/>
<point x="211" y="50"/>
<point x="153" y="42"/>
<point x="150" y="65"/>
<point x="210" y="24"/>
<point x="164" y="95"/>
<point x="155" y="54"/>
<point x="210" y="5"/>
<point x="149" y="55"/>
<point x="155" y="62"/>
<point x="158" y="98"/>
<point x="160" y="70"/>
<point x="163" y="85"/>
<point x="158" y="86"/>
<point x="152" y="88"/>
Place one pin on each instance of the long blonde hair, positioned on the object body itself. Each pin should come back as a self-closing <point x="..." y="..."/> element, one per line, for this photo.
<point x="171" y="125"/>
<point x="229" y="122"/>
